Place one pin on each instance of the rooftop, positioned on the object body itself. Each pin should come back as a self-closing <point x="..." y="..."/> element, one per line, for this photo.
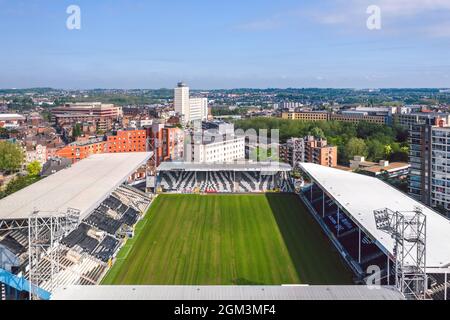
<point x="295" y="292"/>
<point x="238" y="166"/>
<point x="83" y="186"/>
<point x="11" y="117"/>
<point x="393" y="166"/>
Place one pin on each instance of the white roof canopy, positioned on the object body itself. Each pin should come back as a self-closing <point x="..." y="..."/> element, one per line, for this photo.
<point x="83" y="186"/>
<point x="235" y="166"/>
<point x="360" y="195"/>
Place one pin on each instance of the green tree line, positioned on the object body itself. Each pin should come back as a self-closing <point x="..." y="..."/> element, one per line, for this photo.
<point x="374" y="141"/>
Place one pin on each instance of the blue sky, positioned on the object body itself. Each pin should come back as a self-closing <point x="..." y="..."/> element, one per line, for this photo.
<point x="224" y="44"/>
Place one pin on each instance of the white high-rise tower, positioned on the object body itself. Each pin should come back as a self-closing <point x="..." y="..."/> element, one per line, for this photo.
<point x="190" y="109"/>
<point x="181" y="101"/>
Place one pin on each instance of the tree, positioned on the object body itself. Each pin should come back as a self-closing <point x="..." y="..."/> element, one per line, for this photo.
<point x="19" y="183"/>
<point x="388" y="150"/>
<point x="374" y="136"/>
<point x="375" y="150"/>
<point x="76" y="132"/>
<point x="4" y="133"/>
<point x="11" y="156"/>
<point x="355" y="147"/>
<point x="317" y="133"/>
<point x="34" y="168"/>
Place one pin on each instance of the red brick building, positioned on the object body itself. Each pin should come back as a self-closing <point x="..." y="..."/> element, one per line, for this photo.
<point x="122" y="141"/>
<point x="127" y="141"/>
<point x="166" y="142"/>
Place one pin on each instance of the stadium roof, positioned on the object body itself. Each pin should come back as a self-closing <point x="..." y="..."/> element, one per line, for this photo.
<point x="238" y="166"/>
<point x="296" y="292"/>
<point x="82" y="186"/>
<point x="360" y="195"/>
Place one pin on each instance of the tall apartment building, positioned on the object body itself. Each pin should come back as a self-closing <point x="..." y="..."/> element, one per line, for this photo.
<point x="181" y="99"/>
<point x="420" y="154"/>
<point x="318" y="151"/>
<point x="429" y="176"/>
<point x="216" y="144"/>
<point x="190" y="109"/>
<point x="167" y="142"/>
<point x="198" y="109"/>
<point x="293" y="152"/>
<point x="308" y="149"/>
<point x="439" y="195"/>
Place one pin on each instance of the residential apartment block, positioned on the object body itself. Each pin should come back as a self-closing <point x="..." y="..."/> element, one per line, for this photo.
<point x="308" y="149"/>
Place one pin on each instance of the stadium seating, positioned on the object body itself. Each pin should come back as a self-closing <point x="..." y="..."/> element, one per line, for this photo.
<point x="132" y="197"/>
<point x="345" y="230"/>
<point x="223" y="181"/>
<point x="130" y="217"/>
<point x="13" y="245"/>
<point x="79" y="237"/>
<point x="106" y="248"/>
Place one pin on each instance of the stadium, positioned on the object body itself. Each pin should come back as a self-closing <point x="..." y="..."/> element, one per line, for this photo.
<point x="211" y="231"/>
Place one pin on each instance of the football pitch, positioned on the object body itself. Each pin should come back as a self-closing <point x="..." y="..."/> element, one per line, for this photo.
<point x="266" y="239"/>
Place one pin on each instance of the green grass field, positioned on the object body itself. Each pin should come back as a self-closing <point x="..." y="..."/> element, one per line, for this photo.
<point x="228" y="240"/>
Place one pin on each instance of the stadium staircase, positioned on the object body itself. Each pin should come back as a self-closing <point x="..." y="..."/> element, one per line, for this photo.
<point x="438" y="287"/>
<point x="22" y="284"/>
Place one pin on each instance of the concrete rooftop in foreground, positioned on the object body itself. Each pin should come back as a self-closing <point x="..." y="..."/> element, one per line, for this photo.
<point x="288" y="292"/>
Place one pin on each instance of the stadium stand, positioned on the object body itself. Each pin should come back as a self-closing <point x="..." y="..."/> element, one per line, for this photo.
<point x="85" y="252"/>
<point x="344" y="203"/>
<point x="342" y="228"/>
<point x="181" y="177"/>
<point x="108" y="208"/>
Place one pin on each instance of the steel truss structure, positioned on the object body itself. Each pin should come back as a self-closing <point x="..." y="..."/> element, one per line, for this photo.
<point x="13" y="224"/>
<point x="44" y="233"/>
<point x="408" y="229"/>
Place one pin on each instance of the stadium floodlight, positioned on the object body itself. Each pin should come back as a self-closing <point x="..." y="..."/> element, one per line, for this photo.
<point x="408" y="229"/>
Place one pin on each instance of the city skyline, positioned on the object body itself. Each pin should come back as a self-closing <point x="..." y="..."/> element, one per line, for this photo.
<point x="262" y="44"/>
